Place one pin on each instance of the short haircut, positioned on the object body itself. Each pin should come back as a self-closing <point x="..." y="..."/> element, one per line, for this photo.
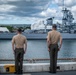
<point x="19" y="30"/>
<point x="54" y="26"/>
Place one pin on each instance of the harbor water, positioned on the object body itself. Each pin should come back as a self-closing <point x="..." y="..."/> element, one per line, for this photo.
<point x="37" y="49"/>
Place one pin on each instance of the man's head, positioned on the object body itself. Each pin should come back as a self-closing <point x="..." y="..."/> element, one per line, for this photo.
<point x="54" y="27"/>
<point x="19" y="30"/>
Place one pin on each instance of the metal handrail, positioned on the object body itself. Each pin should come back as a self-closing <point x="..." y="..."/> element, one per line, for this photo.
<point x="34" y="60"/>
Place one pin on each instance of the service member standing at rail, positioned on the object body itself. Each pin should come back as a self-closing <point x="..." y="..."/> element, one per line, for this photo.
<point x="52" y="40"/>
<point x="19" y="46"/>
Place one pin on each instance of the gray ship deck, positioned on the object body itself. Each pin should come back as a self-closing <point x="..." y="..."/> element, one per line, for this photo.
<point x="47" y="73"/>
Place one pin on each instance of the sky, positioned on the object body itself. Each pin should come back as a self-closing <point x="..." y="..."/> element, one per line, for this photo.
<point x="33" y="11"/>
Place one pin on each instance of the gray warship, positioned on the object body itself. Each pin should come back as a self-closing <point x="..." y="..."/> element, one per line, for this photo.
<point x="39" y="31"/>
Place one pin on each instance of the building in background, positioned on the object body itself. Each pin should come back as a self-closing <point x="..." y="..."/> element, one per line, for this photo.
<point x="3" y="29"/>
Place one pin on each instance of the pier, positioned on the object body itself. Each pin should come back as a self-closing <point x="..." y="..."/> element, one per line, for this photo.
<point x="33" y="68"/>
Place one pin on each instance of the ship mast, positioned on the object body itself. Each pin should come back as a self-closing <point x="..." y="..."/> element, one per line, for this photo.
<point x="63" y="5"/>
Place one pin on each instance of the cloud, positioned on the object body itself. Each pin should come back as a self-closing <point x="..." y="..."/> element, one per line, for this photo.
<point x="22" y="9"/>
<point x="34" y="9"/>
<point x="48" y="13"/>
<point x="70" y="3"/>
<point x="67" y="3"/>
<point x="59" y="2"/>
<point x="6" y="8"/>
<point x="73" y="9"/>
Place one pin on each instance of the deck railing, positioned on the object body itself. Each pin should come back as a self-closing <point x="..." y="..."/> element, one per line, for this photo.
<point x="35" y="60"/>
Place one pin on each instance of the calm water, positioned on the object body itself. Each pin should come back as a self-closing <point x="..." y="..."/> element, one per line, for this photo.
<point x="38" y="49"/>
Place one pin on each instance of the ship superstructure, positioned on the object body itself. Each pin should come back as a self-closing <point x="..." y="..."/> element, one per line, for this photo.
<point x="67" y="20"/>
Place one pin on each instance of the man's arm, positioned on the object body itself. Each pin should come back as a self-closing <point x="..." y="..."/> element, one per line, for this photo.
<point x="60" y="42"/>
<point x="48" y="42"/>
<point x="13" y="46"/>
<point x="25" y="46"/>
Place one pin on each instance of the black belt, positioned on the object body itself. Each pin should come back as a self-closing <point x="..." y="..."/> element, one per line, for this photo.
<point x="53" y="44"/>
<point x="19" y="48"/>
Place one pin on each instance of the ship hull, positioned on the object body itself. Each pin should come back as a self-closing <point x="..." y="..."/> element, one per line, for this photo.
<point x="33" y="36"/>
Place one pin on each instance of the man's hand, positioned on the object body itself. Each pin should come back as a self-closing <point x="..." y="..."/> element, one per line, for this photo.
<point x="48" y="49"/>
<point x="58" y="48"/>
<point x="24" y="51"/>
<point x="13" y="52"/>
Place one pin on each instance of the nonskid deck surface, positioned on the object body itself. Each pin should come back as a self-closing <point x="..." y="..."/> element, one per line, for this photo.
<point x="47" y="73"/>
